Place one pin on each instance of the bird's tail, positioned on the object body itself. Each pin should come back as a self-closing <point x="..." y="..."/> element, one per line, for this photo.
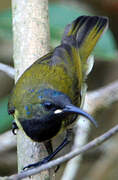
<point x="83" y="33"/>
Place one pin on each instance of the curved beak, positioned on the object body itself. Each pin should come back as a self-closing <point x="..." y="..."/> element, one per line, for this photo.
<point x="76" y="110"/>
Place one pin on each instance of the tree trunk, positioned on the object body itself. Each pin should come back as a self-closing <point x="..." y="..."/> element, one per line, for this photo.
<point x="30" y="42"/>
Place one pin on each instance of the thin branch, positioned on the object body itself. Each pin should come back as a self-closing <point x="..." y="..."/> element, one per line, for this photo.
<point x="68" y="156"/>
<point x="108" y="159"/>
<point x="102" y="97"/>
<point x="7" y="69"/>
<point x="81" y="138"/>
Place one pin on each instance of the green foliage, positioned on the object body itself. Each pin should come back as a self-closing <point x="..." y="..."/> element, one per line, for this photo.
<point x="5" y="25"/>
<point x="61" y="15"/>
<point x="5" y="119"/>
<point x="106" y="47"/>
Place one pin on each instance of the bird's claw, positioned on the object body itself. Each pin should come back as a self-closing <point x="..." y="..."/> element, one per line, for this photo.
<point x="57" y="168"/>
<point x="39" y="164"/>
<point x="45" y="160"/>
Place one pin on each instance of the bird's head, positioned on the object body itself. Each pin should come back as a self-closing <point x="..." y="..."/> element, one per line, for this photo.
<point x="43" y="120"/>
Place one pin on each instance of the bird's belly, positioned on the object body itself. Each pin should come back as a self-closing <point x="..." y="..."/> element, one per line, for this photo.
<point x="40" y="131"/>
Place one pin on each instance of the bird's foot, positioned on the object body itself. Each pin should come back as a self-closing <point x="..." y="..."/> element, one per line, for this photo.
<point x="48" y="158"/>
<point x="44" y="161"/>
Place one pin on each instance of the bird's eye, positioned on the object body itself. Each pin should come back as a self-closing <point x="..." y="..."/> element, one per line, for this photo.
<point x="48" y="105"/>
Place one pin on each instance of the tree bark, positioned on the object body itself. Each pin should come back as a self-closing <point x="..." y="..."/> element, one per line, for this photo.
<point x="30" y="42"/>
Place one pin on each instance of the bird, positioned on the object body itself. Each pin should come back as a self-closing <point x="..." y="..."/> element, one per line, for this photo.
<point x="48" y="97"/>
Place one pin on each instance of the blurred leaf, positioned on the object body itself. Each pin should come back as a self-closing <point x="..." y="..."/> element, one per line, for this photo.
<point x="5" y="118"/>
<point x="106" y="47"/>
<point x="5" y="25"/>
<point x="61" y="15"/>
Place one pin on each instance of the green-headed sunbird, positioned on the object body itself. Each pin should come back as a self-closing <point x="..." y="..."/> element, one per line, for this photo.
<point x="48" y="96"/>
